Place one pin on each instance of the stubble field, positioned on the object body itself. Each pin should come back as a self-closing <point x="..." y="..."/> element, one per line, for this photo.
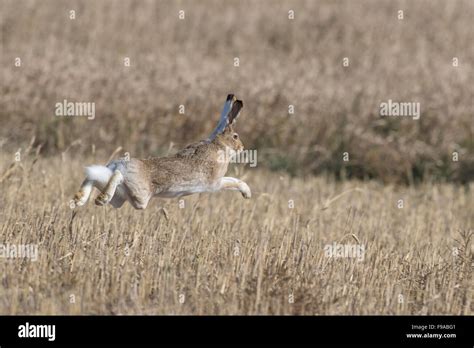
<point x="221" y="254"/>
<point x="403" y="199"/>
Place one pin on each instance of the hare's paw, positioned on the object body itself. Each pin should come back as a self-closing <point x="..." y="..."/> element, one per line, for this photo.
<point x="79" y="198"/>
<point x="102" y="199"/>
<point x="245" y="190"/>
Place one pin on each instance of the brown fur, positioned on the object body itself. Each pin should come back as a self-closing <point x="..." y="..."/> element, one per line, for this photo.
<point x="198" y="164"/>
<point x="199" y="167"/>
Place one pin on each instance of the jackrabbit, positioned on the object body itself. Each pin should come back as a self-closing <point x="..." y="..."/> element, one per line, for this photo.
<point x="199" y="167"/>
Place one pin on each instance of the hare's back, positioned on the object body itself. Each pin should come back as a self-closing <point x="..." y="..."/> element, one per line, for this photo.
<point x="167" y="171"/>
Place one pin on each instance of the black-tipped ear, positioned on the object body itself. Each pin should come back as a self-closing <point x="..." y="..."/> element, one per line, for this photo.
<point x="224" y="119"/>
<point x="235" y="111"/>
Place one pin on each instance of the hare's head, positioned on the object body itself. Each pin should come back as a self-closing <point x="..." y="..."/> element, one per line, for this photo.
<point x="224" y="132"/>
<point x="231" y="139"/>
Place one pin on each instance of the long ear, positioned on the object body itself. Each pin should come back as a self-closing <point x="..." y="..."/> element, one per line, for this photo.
<point x="235" y="111"/>
<point x="223" y="121"/>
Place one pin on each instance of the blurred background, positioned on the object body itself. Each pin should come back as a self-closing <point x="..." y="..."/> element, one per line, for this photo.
<point x="282" y="62"/>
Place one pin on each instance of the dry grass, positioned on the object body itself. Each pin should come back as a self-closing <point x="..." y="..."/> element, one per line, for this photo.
<point x="282" y="62"/>
<point x="221" y="254"/>
<point x="227" y="255"/>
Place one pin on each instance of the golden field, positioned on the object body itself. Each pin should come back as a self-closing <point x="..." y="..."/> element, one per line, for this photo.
<point x="219" y="253"/>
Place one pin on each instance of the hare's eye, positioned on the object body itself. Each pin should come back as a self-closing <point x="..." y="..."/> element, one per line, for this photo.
<point x="236" y="136"/>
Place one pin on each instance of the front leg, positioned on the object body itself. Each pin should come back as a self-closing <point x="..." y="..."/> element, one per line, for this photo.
<point x="229" y="183"/>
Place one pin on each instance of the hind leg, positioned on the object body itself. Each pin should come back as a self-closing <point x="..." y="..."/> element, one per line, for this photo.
<point x="109" y="189"/>
<point x="81" y="196"/>
<point x="120" y="196"/>
<point x="117" y="201"/>
<point x="140" y="202"/>
<point x="137" y="195"/>
<point x="138" y="188"/>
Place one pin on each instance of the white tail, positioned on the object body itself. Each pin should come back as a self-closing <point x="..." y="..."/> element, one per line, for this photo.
<point x="100" y="174"/>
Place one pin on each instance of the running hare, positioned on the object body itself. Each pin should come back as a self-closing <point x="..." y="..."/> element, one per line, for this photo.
<point x="199" y="167"/>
